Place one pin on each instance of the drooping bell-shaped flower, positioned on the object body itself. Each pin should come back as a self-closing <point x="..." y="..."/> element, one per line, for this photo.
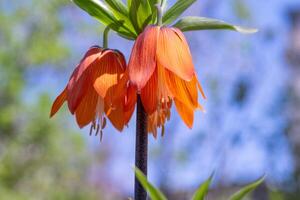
<point x="97" y="89"/>
<point x="162" y="70"/>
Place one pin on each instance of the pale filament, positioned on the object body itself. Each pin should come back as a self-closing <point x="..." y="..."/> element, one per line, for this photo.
<point x="164" y="96"/>
<point x="100" y="121"/>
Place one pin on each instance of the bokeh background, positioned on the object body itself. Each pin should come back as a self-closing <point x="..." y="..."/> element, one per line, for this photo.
<point x="251" y="126"/>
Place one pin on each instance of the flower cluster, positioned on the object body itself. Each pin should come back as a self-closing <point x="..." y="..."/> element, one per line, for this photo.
<point x="160" y="70"/>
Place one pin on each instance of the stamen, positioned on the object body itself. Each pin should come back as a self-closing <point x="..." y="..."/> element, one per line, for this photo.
<point x="103" y="123"/>
<point x="101" y="135"/>
<point x="91" y="129"/>
<point x="98" y="128"/>
<point x="162" y="130"/>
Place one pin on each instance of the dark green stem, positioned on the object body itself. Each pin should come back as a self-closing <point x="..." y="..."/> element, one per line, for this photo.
<point x="141" y="148"/>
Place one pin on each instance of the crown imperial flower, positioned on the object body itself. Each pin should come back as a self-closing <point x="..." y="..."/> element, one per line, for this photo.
<point x="162" y="70"/>
<point x="97" y="89"/>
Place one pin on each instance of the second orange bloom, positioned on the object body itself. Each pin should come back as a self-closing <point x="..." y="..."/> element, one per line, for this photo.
<point x="162" y="70"/>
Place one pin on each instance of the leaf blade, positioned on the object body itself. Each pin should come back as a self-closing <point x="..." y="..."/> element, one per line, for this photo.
<point x="176" y="10"/>
<point x="247" y="189"/>
<point x="104" y="15"/>
<point x="117" y="5"/>
<point x="140" y="13"/>
<point x="154" y="193"/>
<point x="203" y="189"/>
<point x="203" y="23"/>
<point x="120" y="11"/>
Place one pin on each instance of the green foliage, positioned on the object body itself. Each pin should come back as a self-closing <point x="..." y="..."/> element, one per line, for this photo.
<point x="98" y="10"/>
<point x="277" y="195"/>
<point x="176" y="10"/>
<point x="154" y="193"/>
<point x="246" y="190"/>
<point x="140" y="13"/>
<point x="121" y="12"/>
<point x="130" y="22"/>
<point x="201" y="192"/>
<point x="202" y="23"/>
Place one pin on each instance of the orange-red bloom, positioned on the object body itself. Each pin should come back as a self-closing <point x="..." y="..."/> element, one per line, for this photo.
<point x="97" y="88"/>
<point x="161" y="68"/>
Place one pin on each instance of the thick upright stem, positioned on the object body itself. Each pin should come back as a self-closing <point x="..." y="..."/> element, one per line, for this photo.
<point x="141" y="148"/>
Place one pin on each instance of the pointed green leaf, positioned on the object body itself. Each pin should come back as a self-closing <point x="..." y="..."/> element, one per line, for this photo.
<point x="121" y="12"/>
<point x="140" y="13"/>
<point x="203" y="189"/>
<point x="246" y="190"/>
<point x="98" y="10"/>
<point x="176" y="10"/>
<point x="153" y="4"/>
<point x="154" y="193"/>
<point x="118" y="6"/>
<point x="202" y="23"/>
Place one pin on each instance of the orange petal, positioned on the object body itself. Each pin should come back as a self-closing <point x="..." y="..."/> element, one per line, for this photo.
<point x="116" y="116"/>
<point x="183" y="91"/>
<point x="186" y="114"/>
<point x="143" y="57"/>
<point x="149" y="94"/>
<point x="163" y="89"/>
<point x="130" y="101"/>
<point x="128" y="114"/>
<point x="130" y="97"/>
<point x="173" y="53"/>
<point x="86" y="111"/>
<point x="79" y="80"/>
<point x="58" y="102"/>
<point x="111" y="81"/>
<point x="121" y="59"/>
<point x="89" y="58"/>
<point x="200" y="88"/>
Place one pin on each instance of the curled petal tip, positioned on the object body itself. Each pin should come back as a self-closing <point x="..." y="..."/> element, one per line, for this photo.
<point x="58" y="102"/>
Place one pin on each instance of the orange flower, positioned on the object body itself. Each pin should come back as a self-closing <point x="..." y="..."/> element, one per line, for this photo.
<point x="161" y="68"/>
<point x="97" y="88"/>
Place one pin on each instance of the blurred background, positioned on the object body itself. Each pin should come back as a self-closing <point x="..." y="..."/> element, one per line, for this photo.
<point x="251" y="127"/>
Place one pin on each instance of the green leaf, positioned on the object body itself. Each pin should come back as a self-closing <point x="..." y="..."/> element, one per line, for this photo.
<point x="154" y="193"/>
<point x="153" y="4"/>
<point x="118" y="6"/>
<point x="176" y="10"/>
<point x="126" y="36"/>
<point x="202" y="23"/>
<point x="203" y="189"/>
<point x="247" y="189"/>
<point x="121" y="12"/>
<point x="140" y="13"/>
<point x="98" y="10"/>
